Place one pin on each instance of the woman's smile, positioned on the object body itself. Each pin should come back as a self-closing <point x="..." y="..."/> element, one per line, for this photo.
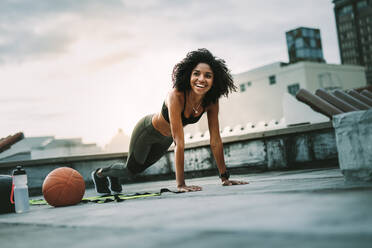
<point x="200" y="85"/>
<point x="201" y="79"/>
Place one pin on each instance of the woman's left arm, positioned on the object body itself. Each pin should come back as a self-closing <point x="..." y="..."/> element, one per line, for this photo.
<point x="216" y="144"/>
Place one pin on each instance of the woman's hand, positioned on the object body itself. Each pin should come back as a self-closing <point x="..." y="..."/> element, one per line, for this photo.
<point x="228" y="182"/>
<point x="185" y="188"/>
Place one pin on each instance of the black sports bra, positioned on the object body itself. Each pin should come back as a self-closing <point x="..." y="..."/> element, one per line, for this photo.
<point x="185" y="121"/>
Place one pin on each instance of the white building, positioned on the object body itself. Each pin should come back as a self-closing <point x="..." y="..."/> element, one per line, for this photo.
<point x="263" y="91"/>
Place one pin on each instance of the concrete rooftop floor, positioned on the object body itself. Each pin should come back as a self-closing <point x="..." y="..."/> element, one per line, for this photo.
<point x="303" y="208"/>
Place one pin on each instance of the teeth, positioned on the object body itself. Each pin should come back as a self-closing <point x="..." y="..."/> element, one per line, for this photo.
<point x="200" y="85"/>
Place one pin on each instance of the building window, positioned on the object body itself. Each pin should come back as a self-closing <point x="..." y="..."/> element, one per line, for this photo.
<point x="300" y="53"/>
<point x="272" y="79"/>
<point x="312" y="43"/>
<point x="346" y="10"/>
<point x="249" y="84"/>
<point x="304" y="32"/>
<point x="293" y="89"/>
<point x="362" y="4"/>
<point x="311" y="33"/>
<point x="242" y="87"/>
<point x="299" y="43"/>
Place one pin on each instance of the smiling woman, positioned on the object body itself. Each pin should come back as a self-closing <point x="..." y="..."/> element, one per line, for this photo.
<point x="199" y="80"/>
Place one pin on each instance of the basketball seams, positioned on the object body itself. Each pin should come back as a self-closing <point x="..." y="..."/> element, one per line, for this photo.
<point x="47" y="193"/>
<point x="53" y="186"/>
<point x="62" y="193"/>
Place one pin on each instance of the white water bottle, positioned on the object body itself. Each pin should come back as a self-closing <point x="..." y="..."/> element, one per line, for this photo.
<point x="21" y="199"/>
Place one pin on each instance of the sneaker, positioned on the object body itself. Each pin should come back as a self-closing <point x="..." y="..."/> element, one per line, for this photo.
<point x="115" y="185"/>
<point x="100" y="183"/>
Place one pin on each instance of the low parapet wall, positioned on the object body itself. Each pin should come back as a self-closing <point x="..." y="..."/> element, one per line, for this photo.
<point x="305" y="146"/>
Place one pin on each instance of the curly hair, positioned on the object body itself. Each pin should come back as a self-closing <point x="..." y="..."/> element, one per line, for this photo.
<point x="223" y="82"/>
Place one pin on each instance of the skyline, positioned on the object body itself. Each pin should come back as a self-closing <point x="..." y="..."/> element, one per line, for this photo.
<point x="85" y="69"/>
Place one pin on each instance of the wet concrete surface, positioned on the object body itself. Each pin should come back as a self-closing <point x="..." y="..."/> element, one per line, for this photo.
<point x="303" y="208"/>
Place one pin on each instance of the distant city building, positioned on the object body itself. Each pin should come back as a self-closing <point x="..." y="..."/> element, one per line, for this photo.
<point x="47" y="147"/>
<point x="262" y="92"/>
<point x="304" y="44"/>
<point x="119" y="143"/>
<point x="354" y="29"/>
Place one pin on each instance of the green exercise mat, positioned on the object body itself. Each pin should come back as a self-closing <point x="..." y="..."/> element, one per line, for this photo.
<point x="110" y="198"/>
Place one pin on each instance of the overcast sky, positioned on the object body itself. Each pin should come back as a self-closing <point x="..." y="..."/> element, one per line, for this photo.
<point x="86" y="68"/>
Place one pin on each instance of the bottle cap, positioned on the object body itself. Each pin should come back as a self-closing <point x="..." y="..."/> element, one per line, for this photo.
<point x="19" y="171"/>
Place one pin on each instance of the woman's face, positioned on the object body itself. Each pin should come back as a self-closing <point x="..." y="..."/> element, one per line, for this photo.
<point x="201" y="79"/>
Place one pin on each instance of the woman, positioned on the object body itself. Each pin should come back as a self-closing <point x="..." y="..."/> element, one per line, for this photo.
<point x="199" y="80"/>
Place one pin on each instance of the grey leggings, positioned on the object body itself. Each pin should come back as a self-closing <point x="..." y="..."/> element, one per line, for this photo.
<point x="147" y="146"/>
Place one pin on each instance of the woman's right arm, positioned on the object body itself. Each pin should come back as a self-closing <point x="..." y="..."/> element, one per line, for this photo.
<point x="175" y="108"/>
<point x="175" y="105"/>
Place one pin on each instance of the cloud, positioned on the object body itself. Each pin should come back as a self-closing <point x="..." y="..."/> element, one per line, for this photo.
<point x="11" y="10"/>
<point x="23" y="45"/>
<point x="42" y="29"/>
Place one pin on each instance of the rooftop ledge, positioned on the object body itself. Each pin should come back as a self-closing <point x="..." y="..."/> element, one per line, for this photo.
<point x="228" y="139"/>
<point x="301" y="128"/>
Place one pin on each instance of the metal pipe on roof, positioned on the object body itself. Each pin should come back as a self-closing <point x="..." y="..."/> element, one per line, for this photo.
<point x="351" y="100"/>
<point x="367" y="87"/>
<point x="337" y="102"/>
<point x="317" y="103"/>
<point x="360" y="97"/>
<point x="367" y="93"/>
<point x="7" y="142"/>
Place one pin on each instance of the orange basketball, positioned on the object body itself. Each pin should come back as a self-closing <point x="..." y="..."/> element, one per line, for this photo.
<point x="63" y="186"/>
